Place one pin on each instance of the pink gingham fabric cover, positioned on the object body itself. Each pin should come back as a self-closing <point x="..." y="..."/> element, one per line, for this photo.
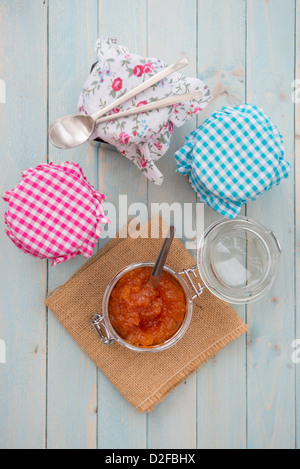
<point x="55" y="213"/>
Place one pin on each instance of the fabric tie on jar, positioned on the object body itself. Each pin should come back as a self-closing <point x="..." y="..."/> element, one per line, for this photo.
<point x="55" y="213"/>
<point x="142" y="138"/>
<point x="232" y="158"/>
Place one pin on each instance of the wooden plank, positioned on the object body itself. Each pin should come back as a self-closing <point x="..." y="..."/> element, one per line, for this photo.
<point x="221" y="384"/>
<point x="172" y="34"/>
<point x="23" y="124"/>
<point x="72" y="377"/>
<point x="72" y="395"/>
<point x="271" y="375"/>
<point x="120" y="425"/>
<point x="297" y="212"/>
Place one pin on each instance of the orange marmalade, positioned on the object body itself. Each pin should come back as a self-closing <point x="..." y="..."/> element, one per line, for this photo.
<point x="145" y="316"/>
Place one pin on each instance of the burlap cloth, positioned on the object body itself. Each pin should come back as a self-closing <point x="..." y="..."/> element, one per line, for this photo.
<point x="143" y="379"/>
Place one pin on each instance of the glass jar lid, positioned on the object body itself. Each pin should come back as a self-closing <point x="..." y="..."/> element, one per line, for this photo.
<point x="238" y="260"/>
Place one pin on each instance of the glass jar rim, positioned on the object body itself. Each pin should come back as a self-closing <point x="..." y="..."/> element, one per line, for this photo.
<point x="209" y="276"/>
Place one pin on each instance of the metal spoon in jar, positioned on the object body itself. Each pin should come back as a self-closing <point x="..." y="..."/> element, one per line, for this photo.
<point x="161" y="260"/>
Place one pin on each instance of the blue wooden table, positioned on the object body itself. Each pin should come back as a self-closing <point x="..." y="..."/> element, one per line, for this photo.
<point x="51" y="394"/>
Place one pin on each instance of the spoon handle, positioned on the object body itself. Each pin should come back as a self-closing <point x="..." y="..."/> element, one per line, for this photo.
<point x="179" y="98"/>
<point x="161" y="260"/>
<point x="142" y="87"/>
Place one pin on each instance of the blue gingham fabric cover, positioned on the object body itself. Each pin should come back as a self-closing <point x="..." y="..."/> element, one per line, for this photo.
<point x="233" y="157"/>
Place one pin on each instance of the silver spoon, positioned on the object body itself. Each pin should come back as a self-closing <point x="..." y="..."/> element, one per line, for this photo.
<point x="71" y="131"/>
<point x="154" y="105"/>
<point x="161" y="260"/>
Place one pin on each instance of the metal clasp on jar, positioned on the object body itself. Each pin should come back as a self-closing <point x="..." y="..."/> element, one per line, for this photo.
<point x="197" y="288"/>
<point x="98" y="324"/>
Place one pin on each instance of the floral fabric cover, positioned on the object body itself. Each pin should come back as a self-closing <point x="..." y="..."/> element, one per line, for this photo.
<point x="142" y="138"/>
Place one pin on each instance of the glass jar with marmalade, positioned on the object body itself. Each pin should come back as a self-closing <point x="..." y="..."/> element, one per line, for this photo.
<point x="237" y="261"/>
